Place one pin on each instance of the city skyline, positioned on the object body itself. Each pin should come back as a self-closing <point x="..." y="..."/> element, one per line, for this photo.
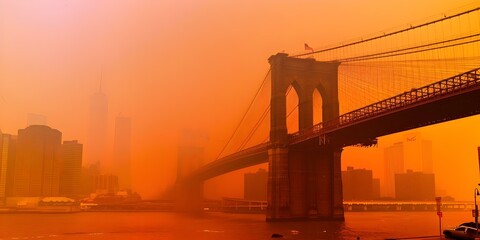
<point x="152" y="91"/>
<point x="167" y="119"/>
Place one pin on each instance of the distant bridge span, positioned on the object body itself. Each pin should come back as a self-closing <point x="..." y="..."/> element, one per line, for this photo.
<point x="249" y="157"/>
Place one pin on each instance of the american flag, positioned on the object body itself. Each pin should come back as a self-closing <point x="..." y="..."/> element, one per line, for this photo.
<point x="308" y="48"/>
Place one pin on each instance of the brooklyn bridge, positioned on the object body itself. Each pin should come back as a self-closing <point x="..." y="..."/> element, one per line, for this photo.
<point x="311" y="105"/>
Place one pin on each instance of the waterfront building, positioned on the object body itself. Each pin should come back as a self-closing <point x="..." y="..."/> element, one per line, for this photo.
<point x="7" y="161"/>
<point x="121" y="152"/>
<point x="359" y="184"/>
<point x="105" y="184"/>
<point x="255" y="185"/>
<point x="414" y="186"/>
<point x="88" y="176"/>
<point x="71" y="169"/>
<point x="37" y="163"/>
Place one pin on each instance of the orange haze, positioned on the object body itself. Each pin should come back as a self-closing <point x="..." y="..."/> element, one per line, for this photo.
<point x="173" y="65"/>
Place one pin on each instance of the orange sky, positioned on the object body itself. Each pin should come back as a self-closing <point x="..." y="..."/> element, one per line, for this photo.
<point x="172" y="65"/>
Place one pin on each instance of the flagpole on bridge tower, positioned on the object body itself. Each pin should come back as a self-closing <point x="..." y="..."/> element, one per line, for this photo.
<point x="308" y="48"/>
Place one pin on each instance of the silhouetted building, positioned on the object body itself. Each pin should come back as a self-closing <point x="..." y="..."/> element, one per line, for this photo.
<point x="105" y="184"/>
<point x="7" y="167"/>
<point x="393" y="162"/>
<point x="71" y="170"/>
<point x="37" y="164"/>
<point x="255" y="185"/>
<point x="96" y="145"/>
<point x="121" y="152"/>
<point x="88" y="176"/>
<point x="36" y="119"/>
<point x="415" y="186"/>
<point x="358" y="184"/>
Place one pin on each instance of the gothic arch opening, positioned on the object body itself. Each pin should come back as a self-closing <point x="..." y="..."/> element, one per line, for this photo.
<point x="292" y="109"/>
<point x="317" y="107"/>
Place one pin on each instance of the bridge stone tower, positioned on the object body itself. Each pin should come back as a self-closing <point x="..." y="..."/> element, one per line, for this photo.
<point x="304" y="180"/>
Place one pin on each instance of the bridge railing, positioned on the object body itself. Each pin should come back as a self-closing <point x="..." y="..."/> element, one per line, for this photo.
<point x="438" y="89"/>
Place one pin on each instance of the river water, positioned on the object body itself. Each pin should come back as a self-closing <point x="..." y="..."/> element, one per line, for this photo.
<point x="164" y="225"/>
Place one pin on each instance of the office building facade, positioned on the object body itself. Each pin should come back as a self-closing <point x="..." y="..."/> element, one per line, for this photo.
<point x="359" y="185"/>
<point x="415" y="186"/>
<point x="71" y="169"/>
<point x="37" y="164"/>
<point x="7" y="165"/>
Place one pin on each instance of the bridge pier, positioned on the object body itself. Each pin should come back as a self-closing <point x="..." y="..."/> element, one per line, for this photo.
<point x="278" y="195"/>
<point x="329" y="191"/>
<point x="304" y="184"/>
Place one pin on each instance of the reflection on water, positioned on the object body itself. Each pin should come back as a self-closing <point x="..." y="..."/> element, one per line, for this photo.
<point x="161" y="225"/>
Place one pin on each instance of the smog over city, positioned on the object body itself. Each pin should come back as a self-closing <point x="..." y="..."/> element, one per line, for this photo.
<point x="339" y="119"/>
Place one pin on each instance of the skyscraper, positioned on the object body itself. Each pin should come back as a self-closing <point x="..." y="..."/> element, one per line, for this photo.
<point x="7" y="167"/>
<point x="121" y="152"/>
<point x="96" y="145"/>
<point x="37" y="164"/>
<point x="71" y="168"/>
<point x="393" y="162"/>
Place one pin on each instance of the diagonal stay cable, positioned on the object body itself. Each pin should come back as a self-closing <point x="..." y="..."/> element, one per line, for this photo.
<point x="245" y="114"/>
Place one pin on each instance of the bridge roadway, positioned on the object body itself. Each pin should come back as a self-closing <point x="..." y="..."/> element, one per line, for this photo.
<point x="448" y="99"/>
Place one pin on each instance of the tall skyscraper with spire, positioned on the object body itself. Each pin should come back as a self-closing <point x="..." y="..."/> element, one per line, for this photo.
<point x="121" y="152"/>
<point x="96" y="145"/>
